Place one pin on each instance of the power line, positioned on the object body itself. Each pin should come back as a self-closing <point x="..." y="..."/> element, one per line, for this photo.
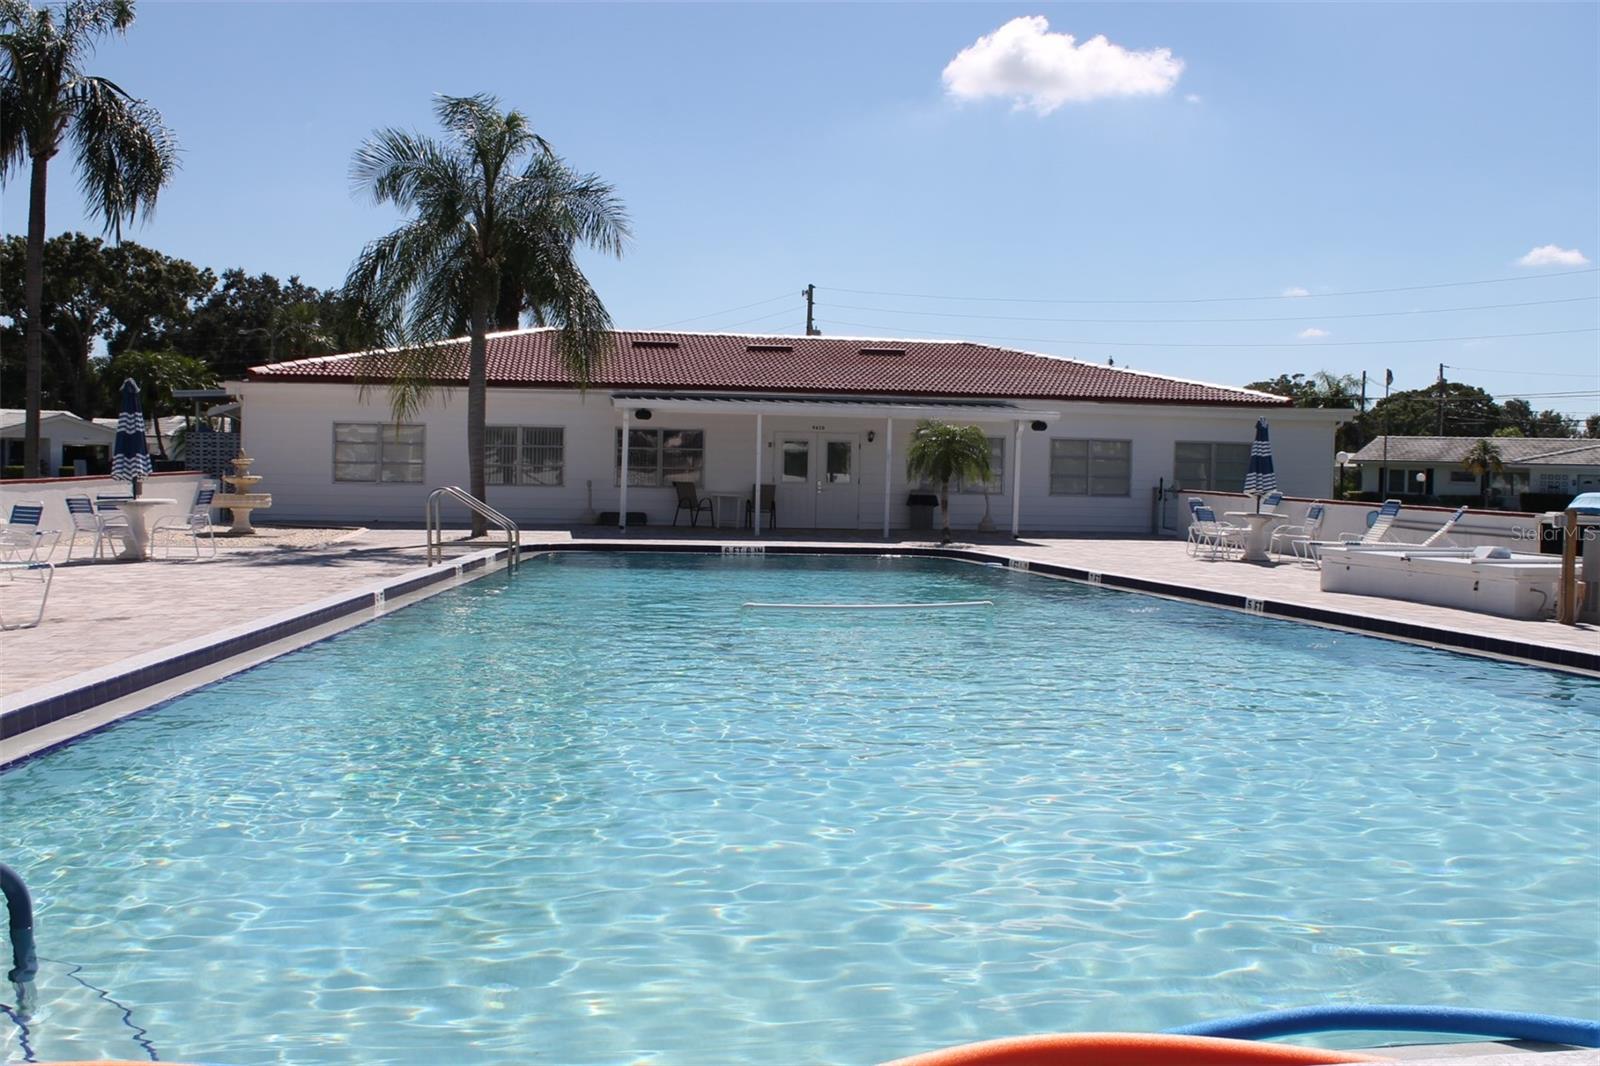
<point x="1192" y="321"/>
<point x="1214" y="299"/>
<point x="1521" y="373"/>
<point x="760" y="318"/>
<point x="725" y="311"/>
<point x="1253" y="344"/>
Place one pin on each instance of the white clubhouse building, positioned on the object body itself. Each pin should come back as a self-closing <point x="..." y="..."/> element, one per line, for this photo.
<point x="825" y="421"/>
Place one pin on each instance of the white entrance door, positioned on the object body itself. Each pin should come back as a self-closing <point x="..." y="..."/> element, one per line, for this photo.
<point x="818" y="480"/>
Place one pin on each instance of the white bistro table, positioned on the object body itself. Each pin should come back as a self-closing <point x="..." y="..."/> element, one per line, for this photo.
<point x="1260" y="535"/>
<point x="138" y="512"/>
<point x="726" y="508"/>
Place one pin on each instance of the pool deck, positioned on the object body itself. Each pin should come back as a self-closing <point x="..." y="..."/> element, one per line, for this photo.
<point x="104" y="615"/>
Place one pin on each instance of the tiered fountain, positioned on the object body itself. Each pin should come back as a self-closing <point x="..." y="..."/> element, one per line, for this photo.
<point x="241" y="501"/>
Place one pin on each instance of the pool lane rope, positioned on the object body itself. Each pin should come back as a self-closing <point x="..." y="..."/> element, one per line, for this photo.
<point x="935" y="605"/>
<point x="1464" y="1021"/>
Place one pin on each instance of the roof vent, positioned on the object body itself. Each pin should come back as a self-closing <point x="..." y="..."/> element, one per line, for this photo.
<point x="655" y="344"/>
<point x="883" y="351"/>
<point x="769" y="347"/>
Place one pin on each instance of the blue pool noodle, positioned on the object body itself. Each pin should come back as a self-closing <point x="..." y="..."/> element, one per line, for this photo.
<point x="1467" y="1021"/>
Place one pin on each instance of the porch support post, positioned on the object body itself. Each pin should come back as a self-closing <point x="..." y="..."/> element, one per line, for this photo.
<point x="622" y="515"/>
<point x="755" y="490"/>
<point x="888" y="469"/>
<point x="1016" y="480"/>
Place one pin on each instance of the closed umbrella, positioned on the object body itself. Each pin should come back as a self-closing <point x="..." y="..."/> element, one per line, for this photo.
<point x="130" y="456"/>
<point x="1259" y="480"/>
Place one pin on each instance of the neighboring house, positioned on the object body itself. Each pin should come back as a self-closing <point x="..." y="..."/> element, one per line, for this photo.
<point x="168" y="429"/>
<point x="825" y="420"/>
<point x="64" y="439"/>
<point x="1558" y="465"/>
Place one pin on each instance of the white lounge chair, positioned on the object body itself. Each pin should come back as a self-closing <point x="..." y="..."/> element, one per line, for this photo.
<point x="1381" y="522"/>
<point x="1441" y="536"/>
<point x="1215" y="538"/>
<point x="194" y="525"/>
<point x="1288" y="540"/>
<point x="21" y="539"/>
<point x="85" y="520"/>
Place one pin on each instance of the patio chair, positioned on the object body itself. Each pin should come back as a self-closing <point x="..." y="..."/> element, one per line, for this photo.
<point x="102" y="527"/>
<point x="769" y="506"/>
<point x="194" y="525"/>
<point x="689" y="499"/>
<point x="21" y="539"/>
<point x="1296" y="536"/>
<point x="1269" y="502"/>
<point x="1194" y="503"/>
<point x="1216" y="538"/>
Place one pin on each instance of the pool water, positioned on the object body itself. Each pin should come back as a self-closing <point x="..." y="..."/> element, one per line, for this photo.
<point x="598" y="812"/>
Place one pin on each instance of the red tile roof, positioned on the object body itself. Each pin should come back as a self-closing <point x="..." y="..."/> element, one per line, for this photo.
<point x="831" y="365"/>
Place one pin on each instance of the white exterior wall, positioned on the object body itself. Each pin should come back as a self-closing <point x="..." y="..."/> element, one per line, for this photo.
<point x="288" y="430"/>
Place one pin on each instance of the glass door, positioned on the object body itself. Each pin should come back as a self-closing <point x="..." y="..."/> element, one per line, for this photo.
<point x="838" y="482"/>
<point x="796" y="491"/>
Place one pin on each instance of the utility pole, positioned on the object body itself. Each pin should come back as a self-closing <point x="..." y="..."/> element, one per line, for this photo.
<point x="810" y="293"/>
<point x="1441" y="399"/>
<point x="1363" y="392"/>
<point x="1383" y="476"/>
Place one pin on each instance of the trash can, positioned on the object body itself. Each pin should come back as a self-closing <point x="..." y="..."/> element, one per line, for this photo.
<point x="921" y="505"/>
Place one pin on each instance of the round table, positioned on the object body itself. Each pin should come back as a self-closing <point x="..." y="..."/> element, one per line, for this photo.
<point x="138" y="512"/>
<point x="1260" y="535"/>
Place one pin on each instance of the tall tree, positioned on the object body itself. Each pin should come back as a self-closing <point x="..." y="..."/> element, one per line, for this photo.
<point x="1468" y="412"/>
<point x="941" y="453"/>
<point x="493" y="211"/>
<point x="126" y="295"/>
<point x="125" y="154"/>
<point x="1591" y="427"/>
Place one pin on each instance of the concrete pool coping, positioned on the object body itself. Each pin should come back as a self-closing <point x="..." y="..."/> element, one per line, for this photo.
<point x="43" y="716"/>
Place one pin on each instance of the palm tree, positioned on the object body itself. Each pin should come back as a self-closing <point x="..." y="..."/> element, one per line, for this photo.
<point x="941" y="452"/>
<point x="1484" y="460"/>
<point x="124" y="153"/>
<point x="493" y="211"/>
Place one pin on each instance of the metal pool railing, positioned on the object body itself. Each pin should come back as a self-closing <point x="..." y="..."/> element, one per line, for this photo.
<point x="19" y="905"/>
<point x="472" y="503"/>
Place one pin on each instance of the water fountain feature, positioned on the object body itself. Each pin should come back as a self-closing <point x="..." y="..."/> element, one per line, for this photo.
<point x="241" y="501"/>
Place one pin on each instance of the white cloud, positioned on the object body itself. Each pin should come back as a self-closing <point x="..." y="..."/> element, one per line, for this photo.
<point x="1295" y="290"/>
<point x="1553" y="255"/>
<point x="1192" y="98"/>
<point x="1041" y="70"/>
<point x="1311" y="333"/>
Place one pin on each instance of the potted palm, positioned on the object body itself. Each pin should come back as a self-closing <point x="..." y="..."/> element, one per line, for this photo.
<point x="940" y="453"/>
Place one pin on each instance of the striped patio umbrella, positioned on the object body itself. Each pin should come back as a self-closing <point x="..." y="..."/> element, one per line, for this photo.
<point x="130" y="456"/>
<point x="1259" y="480"/>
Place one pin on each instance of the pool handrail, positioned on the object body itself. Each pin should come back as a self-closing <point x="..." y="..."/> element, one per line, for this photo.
<point x="19" y="905"/>
<point x="472" y="503"/>
<point x="1464" y="1021"/>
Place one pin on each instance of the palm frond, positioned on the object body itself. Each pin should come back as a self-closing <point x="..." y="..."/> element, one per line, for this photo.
<point x="549" y="194"/>
<point x="85" y="19"/>
<point x="126" y="154"/>
<point x="395" y="166"/>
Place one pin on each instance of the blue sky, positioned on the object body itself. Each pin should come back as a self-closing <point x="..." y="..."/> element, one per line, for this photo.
<point x="1271" y="148"/>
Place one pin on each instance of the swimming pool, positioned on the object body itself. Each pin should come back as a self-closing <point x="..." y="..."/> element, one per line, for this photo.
<point x="600" y="812"/>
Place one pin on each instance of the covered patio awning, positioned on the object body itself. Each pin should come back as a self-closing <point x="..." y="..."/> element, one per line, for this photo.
<point x="887" y="408"/>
